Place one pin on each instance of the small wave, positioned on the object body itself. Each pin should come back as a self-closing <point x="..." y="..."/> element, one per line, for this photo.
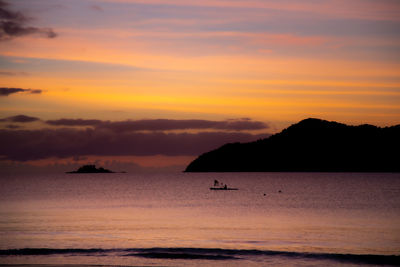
<point x="208" y="254"/>
<point x="51" y="251"/>
<point x="185" y="256"/>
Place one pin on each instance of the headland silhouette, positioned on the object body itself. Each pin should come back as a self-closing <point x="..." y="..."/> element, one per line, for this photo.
<point x="312" y="145"/>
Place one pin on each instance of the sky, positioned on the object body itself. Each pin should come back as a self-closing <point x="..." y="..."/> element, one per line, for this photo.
<point x="154" y="83"/>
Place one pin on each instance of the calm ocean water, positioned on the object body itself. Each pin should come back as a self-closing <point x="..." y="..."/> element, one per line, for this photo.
<point x="347" y="219"/>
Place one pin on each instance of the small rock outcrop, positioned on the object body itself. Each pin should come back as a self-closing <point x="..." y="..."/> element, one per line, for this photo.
<point x="91" y="169"/>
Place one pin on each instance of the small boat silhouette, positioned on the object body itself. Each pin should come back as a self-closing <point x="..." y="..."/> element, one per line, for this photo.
<point x="221" y="186"/>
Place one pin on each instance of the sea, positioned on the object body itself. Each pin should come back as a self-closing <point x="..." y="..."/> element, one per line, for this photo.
<point x="174" y="219"/>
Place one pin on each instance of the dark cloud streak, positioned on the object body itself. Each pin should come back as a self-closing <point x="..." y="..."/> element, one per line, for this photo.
<point x="6" y="91"/>
<point x="20" y="118"/>
<point x="13" y="24"/>
<point x="35" y="91"/>
<point x="73" y="122"/>
<point x="163" y="124"/>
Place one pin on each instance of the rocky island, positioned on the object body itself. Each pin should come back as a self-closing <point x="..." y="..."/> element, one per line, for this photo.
<point x="312" y="145"/>
<point x="91" y="169"/>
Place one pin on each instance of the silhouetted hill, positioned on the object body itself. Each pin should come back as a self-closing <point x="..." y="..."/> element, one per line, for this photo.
<point x="310" y="145"/>
<point x="91" y="169"/>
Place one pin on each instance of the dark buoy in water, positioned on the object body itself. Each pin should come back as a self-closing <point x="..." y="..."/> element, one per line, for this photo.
<point x="265" y="194"/>
<point x="279" y="191"/>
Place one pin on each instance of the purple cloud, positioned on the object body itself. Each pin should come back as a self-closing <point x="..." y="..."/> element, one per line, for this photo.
<point x="12" y="126"/>
<point x="20" y="118"/>
<point x="163" y="124"/>
<point x="13" y="24"/>
<point x="6" y="91"/>
<point x="22" y="145"/>
<point x="73" y="122"/>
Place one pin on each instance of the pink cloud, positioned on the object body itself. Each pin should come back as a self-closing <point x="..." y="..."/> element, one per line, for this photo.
<point x="359" y="9"/>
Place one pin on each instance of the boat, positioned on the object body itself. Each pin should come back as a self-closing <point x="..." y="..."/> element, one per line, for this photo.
<point x="223" y="188"/>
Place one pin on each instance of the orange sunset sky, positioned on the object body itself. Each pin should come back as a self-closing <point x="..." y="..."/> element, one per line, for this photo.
<point x="157" y="82"/>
